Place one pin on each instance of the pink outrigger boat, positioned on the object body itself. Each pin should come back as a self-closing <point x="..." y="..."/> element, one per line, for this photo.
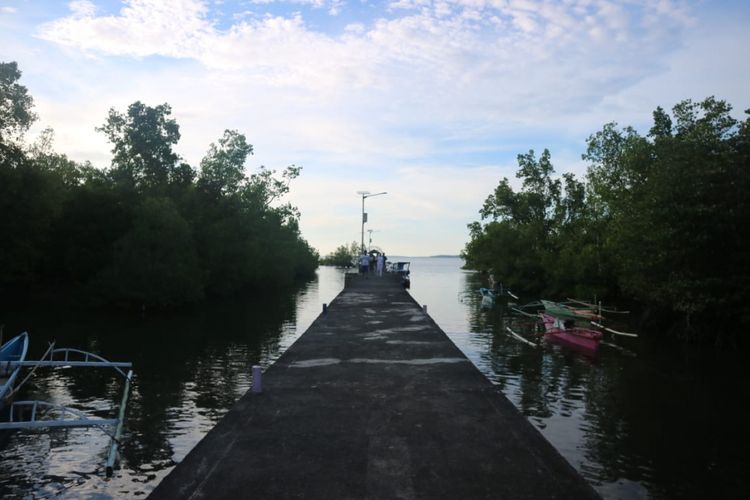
<point x="578" y="338"/>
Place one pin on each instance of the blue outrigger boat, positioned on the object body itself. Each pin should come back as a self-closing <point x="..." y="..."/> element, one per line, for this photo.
<point x="490" y="295"/>
<point x="34" y="414"/>
<point x="11" y="354"/>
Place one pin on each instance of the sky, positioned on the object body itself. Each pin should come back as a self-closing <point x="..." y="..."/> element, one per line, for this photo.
<point x="429" y="101"/>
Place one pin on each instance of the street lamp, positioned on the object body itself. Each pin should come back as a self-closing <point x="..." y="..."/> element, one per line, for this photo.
<point x="366" y="194"/>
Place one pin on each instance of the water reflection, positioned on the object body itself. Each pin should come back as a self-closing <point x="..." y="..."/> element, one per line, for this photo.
<point x="190" y="368"/>
<point x="640" y="420"/>
<point x="665" y="423"/>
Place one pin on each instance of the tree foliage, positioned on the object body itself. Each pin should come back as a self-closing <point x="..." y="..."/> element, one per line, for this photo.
<point x="343" y="256"/>
<point x="16" y="115"/>
<point x="142" y="142"/>
<point x="662" y="219"/>
<point x="155" y="262"/>
<point x="148" y="230"/>
<point x="222" y="169"/>
<point x="519" y="234"/>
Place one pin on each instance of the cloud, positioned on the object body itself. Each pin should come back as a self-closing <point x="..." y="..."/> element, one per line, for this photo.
<point x="82" y="8"/>
<point x="333" y="6"/>
<point x="445" y="47"/>
<point x="428" y="100"/>
<point x="173" y="28"/>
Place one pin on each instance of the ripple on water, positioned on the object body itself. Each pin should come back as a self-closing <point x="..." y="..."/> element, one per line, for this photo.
<point x="600" y="414"/>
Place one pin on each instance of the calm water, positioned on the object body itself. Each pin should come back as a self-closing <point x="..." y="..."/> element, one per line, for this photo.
<point x="641" y="420"/>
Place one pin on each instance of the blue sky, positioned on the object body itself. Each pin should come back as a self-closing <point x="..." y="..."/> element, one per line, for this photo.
<point x="430" y="101"/>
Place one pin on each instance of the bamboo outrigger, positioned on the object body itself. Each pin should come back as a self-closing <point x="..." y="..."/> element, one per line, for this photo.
<point x="35" y="414"/>
<point x="588" y="312"/>
<point x="519" y="337"/>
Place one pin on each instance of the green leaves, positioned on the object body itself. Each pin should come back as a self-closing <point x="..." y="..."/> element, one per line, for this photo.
<point x="15" y="104"/>
<point x="343" y="256"/>
<point x="155" y="263"/>
<point x="144" y="231"/>
<point x="523" y="225"/>
<point x="663" y="219"/>
<point x="671" y="201"/>
<point x="222" y="169"/>
<point x="142" y="146"/>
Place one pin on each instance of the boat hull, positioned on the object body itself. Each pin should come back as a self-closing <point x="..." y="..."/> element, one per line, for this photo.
<point x="563" y="311"/>
<point x="580" y="339"/>
<point x="13" y="350"/>
<point x="584" y="345"/>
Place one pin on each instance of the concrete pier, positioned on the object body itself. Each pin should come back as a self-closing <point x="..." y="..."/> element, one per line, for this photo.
<point x="374" y="402"/>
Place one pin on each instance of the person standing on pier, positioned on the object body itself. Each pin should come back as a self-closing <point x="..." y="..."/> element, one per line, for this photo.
<point x="381" y="263"/>
<point x="364" y="264"/>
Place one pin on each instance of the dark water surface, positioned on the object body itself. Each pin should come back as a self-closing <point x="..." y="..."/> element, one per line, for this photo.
<point x="641" y="420"/>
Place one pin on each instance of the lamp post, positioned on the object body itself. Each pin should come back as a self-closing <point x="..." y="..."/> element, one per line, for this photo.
<point x="366" y="194"/>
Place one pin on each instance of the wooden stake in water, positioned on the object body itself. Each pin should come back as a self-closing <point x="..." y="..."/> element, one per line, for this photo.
<point x="257" y="379"/>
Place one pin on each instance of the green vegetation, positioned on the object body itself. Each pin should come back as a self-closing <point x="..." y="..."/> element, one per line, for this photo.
<point x="150" y="229"/>
<point x="343" y="256"/>
<point x="660" y="219"/>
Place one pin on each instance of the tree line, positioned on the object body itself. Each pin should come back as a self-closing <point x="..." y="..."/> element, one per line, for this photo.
<point x="149" y="230"/>
<point x="661" y="219"/>
<point x="343" y="256"/>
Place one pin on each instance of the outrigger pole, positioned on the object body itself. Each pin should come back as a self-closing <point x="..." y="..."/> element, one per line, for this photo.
<point x="518" y="337"/>
<point x="40" y="409"/>
<point x="118" y="431"/>
<point x="86" y="362"/>
<point x="614" y="332"/>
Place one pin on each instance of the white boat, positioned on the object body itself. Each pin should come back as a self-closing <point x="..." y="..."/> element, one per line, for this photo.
<point x="401" y="268"/>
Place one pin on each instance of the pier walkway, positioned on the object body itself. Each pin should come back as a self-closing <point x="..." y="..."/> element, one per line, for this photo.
<point x="374" y="402"/>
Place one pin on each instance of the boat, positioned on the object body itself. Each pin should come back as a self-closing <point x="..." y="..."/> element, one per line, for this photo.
<point x="401" y="268"/>
<point x="488" y="298"/>
<point x="11" y="353"/>
<point x="35" y="414"/>
<point x="490" y="295"/>
<point x="567" y="334"/>
<point x="565" y="311"/>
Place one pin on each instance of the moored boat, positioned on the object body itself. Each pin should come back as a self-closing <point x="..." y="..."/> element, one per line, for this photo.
<point x="13" y="350"/>
<point x="401" y="268"/>
<point x="36" y="414"/>
<point x="566" y="312"/>
<point x="491" y="295"/>
<point x="581" y="339"/>
<point x="488" y="297"/>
